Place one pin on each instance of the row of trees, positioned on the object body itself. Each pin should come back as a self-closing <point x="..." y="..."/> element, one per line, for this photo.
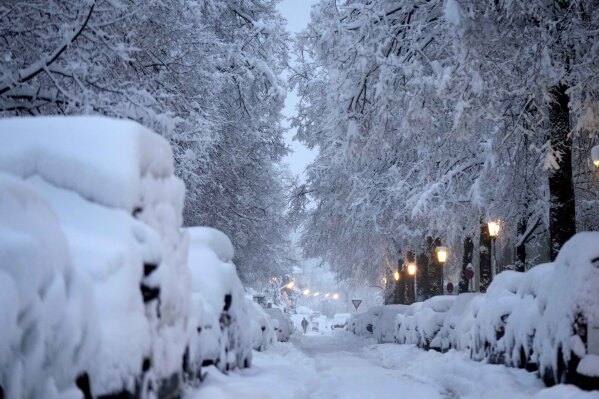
<point x="204" y="74"/>
<point x="433" y="116"/>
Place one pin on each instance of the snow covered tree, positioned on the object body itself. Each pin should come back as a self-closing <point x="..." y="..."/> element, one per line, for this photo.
<point x="205" y="74"/>
<point x="432" y="114"/>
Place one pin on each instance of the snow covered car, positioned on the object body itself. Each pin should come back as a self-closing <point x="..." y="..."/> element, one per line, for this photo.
<point x="384" y="326"/>
<point x="120" y="208"/>
<point x="339" y="321"/>
<point x="405" y="325"/>
<point x="49" y="332"/>
<point x="222" y="336"/>
<point x="263" y="334"/>
<point x="456" y="332"/>
<point x="281" y="323"/>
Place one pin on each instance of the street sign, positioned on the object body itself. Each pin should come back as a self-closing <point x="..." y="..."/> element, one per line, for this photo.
<point x="449" y="287"/>
<point x="356" y="303"/>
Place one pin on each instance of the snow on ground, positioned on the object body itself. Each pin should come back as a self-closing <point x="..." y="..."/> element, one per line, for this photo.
<point x="346" y="366"/>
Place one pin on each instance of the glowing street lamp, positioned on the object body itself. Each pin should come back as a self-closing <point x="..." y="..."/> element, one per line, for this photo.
<point x="493" y="228"/>
<point x="316" y="293"/>
<point x="290" y="285"/>
<point x="493" y="232"/>
<point x="595" y="155"/>
<point x="335" y="296"/>
<point x="442" y="254"/>
<point x="306" y="292"/>
<point x="411" y="268"/>
<point x="396" y="276"/>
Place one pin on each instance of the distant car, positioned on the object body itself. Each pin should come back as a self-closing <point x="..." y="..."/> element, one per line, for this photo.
<point x="283" y="325"/>
<point x="340" y="321"/>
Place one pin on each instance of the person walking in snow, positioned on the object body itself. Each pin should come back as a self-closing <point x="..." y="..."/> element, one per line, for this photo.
<point x="304" y="324"/>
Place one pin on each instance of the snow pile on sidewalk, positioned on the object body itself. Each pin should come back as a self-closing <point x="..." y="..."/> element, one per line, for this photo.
<point x="49" y="332"/>
<point x="111" y="185"/>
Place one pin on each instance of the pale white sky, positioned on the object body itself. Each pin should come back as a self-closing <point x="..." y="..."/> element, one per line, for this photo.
<point x="297" y="14"/>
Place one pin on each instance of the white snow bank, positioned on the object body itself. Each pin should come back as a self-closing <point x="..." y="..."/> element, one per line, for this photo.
<point x="103" y="159"/>
<point x="49" y="332"/>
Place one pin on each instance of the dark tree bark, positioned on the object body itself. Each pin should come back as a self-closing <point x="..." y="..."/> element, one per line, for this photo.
<point x="435" y="269"/>
<point x="466" y="260"/>
<point x="400" y="286"/>
<point x="422" y="277"/>
<point x="562" y="212"/>
<point x="485" y="257"/>
<point x="410" y="291"/>
<point x="520" y="264"/>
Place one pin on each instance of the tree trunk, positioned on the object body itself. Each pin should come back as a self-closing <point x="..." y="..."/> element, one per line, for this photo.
<point x="435" y="269"/>
<point x="466" y="260"/>
<point x="485" y="257"/>
<point x="520" y="264"/>
<point x="410" y="291"/>
<point x="562" y="212"/>
<point x="422" y="277"/>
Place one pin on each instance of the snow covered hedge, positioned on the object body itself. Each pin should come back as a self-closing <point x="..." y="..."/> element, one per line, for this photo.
<point x="546" y="319"/>
<point x="95" y="288"/>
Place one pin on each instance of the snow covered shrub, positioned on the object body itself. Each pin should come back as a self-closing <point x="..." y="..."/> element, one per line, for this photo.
<point x="111" y="185"/>
<point x="223" y="336"/>
<point x="49" y="332"/>
<point x="384" y="326"/>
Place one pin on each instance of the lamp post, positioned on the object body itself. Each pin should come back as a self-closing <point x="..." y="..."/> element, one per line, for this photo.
<point x="442" y="258"/>
<point x="493" y="232"/>
<point x="595" y="155"/>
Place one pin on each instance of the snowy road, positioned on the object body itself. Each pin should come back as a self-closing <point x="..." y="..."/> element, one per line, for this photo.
<point x="345" y="366"/>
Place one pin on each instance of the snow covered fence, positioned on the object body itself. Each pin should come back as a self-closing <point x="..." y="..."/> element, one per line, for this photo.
<point x="546" y="319"/>
<point x="97" y="296"/>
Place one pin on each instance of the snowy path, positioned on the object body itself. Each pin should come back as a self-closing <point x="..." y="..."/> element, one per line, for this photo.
<point x="344" y="366"/>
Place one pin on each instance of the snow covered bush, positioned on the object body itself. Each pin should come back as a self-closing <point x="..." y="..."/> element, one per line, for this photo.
<point x="223" y="336"/>
<point x="120" y="208"/>
<point x="49" y="332"/>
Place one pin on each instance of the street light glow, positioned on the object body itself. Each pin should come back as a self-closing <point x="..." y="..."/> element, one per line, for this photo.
<point x="290" y="285"/>
<point x="493" y="228"/>
<point x="316" y="293"/>
<point x="441" y="254"/>
<point x="306" y="292"/>
<point x="595" y="155"/>
<point x="326" y="295"/>
<point x="396" y="276"/>
<point x="411" y="269"/>
<point x="335" y="296"/>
